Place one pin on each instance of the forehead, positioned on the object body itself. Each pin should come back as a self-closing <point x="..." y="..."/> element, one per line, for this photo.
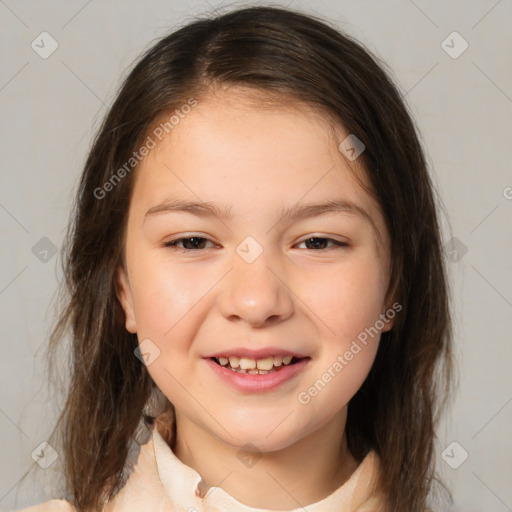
<point x="245" y="129"/>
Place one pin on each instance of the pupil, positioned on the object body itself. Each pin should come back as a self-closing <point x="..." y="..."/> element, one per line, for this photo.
<point x="194" y="245"/>
<point x="316" y="242"/>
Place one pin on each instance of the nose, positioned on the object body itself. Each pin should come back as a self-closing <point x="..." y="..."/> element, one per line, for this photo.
<point x="255" y="293"/>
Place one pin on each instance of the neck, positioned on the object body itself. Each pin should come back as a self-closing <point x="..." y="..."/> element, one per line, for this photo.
<point x="292" y="477"/>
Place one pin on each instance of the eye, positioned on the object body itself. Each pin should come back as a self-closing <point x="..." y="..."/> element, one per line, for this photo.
<point x="321" y="241"/>
<point x="195" y="242"/>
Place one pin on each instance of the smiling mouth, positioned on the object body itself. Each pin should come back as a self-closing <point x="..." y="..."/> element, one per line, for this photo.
<point x="256" y="367"/>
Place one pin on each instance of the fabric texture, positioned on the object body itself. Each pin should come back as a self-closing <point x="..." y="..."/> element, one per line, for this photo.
<point x="159" y="481"/>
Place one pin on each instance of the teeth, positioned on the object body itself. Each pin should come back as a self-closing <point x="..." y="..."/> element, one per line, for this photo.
<point x="278" y="360"/>
<point x="247" y="364"/>
<point x="265" y="364"/>
<point x="254" y="366"/>
<point x="234" y="362"/>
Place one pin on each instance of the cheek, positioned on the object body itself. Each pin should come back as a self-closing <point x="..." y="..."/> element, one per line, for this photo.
<point x="348" y="375"/>
<point x="347" y="299"/>
<point x="169" y="306"/>
<point x="165" y="295"/>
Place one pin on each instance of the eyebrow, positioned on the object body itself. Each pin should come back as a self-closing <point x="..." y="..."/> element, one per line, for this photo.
<point x="289" y="213"/>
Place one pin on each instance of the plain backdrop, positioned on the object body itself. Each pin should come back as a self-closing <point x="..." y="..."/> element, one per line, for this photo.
<point x="462" y="102"/>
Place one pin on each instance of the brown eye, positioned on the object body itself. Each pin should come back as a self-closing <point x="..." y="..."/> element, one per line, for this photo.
<point x="319" y="243"/>
<point x="189" y="243"/>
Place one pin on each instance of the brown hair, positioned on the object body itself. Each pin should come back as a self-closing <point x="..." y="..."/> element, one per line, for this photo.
<point x="287" y="55"/>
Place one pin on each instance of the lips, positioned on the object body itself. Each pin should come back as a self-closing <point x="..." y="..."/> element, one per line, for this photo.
<point x="263" y="381"/>
<point x="263" y="361"/>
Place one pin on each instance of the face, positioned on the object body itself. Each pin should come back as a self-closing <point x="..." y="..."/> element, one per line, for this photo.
<point x="247" y="278"/>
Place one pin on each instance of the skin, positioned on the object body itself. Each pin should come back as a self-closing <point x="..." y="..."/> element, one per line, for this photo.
<point x="294" y="295"/>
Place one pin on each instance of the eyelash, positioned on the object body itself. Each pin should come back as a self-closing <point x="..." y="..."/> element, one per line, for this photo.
<point x="172" y="243"/>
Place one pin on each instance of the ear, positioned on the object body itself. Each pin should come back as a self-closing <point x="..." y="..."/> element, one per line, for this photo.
<point x="124" y="294"/>
<point x="389" y="321"/>
<point x="388" y="324"/>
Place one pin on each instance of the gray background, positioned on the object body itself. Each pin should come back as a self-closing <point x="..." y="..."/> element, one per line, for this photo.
<point x="463" y="106"/>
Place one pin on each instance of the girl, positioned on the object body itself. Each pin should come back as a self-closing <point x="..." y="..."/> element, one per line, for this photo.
<point x="256" y="284"/>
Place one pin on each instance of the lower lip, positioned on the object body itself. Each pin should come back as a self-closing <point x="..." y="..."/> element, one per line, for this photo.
<point x="258" y="383"/>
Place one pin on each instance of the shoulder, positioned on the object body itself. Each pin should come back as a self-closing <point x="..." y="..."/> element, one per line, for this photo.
<point x="50" y="506"/>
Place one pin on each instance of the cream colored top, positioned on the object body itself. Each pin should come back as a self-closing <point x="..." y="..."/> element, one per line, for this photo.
<point x="161" y="482"/>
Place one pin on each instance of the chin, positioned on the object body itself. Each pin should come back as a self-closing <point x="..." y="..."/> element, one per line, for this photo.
<point x="260" y="441"/>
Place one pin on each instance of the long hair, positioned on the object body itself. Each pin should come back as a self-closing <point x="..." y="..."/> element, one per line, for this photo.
<point x="286" y="56"/>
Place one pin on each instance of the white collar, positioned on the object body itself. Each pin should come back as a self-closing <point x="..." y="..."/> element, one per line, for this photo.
<point x="181" y="484"/>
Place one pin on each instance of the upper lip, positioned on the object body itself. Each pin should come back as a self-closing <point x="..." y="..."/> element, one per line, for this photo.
<point x="261" y="353"/>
